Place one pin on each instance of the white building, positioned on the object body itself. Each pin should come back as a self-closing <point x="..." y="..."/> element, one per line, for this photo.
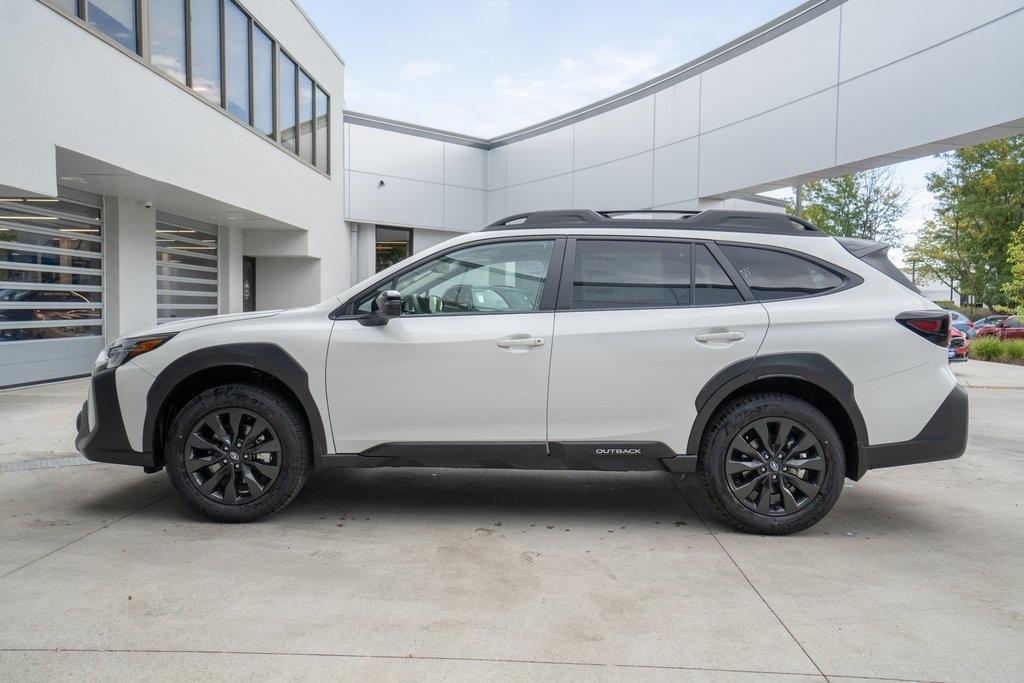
<point x="163" y="159"/>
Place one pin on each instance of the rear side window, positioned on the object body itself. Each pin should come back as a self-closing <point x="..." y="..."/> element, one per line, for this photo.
<point x="774" y="274"/>
<point x="711" y="286"/>
<point x="631" y="274"/>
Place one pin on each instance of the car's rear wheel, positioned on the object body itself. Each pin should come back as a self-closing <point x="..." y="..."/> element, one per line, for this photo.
<point x="771" y="464"/>
<point x="238" y="453"/>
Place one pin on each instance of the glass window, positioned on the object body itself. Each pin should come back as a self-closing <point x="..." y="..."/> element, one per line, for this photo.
<point x="206" y="49"/>
<point x="777" y="275"/>
<point x="263" y="81"/>
<point x="116" y="18"/>
<point x="322" y="120"/>
<point x="167" y="37"/>
<point x="323" y="136"/>
<point x="711" y="285"/>
<point x="305" y="117"/>
<point x="631" y="274"/>
<point x="393" y="245"/>
<point x="488" y="278"/>
<point x="69" y="6"/>
<point x="236" y="32"/>
<point x="286" y="100"/>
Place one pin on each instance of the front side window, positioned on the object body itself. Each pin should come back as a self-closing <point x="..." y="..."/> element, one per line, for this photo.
<point x="505" y="277"/>
<point x="774" y="274"/>
<point x="631" y="274"/>
<point x="116" y="18"/>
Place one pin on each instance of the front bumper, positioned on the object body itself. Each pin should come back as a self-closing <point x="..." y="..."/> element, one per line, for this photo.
<point x="106" y="440"/>
<point x="943" y="438"/>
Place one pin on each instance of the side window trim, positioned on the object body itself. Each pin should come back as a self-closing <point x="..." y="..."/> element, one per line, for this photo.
<point x="564" y="304"/>
<point x="849" y="279"/>
<point x="547" y="298"/>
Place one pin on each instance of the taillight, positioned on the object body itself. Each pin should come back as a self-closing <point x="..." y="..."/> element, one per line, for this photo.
<point x="934" y="326"/>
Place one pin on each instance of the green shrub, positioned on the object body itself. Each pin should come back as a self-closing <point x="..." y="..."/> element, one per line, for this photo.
<point x="1014" y="349"/>
<point x="993" y="348"/>
<point x="986" y="348"/>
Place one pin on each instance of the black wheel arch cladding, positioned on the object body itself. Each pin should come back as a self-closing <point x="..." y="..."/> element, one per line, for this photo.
<point x="811" y="368"/>
<point x="264" y="358"/>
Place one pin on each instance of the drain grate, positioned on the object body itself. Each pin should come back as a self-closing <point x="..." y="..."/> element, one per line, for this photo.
<point x="48" y="464"/>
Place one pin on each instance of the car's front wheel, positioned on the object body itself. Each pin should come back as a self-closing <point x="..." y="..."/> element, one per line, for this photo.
<point x="771" y="464"/>
<point x="238" y="453"/>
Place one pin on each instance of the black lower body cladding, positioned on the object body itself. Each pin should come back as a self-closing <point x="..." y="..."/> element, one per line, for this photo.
<point x="943" y="438"/>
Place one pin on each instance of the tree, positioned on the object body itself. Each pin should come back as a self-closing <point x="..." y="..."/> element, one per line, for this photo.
<point x="939" y="255"/>
<point x="980" y="192"/>
<point x="866" y="204"/>
<point x="1014" y="288"/>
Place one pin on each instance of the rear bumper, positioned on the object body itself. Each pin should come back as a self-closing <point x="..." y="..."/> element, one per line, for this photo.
<point x="106" y="440"/>
<point x="943" y="438"/>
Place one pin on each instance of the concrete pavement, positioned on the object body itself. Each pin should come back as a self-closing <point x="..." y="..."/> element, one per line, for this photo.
<point x="412" y="574"/>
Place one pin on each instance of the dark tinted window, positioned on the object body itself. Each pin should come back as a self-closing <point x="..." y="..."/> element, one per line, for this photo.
<point x="777" y="275"/>
<point x="631" y="274"/>
<point x="710" y="283"/>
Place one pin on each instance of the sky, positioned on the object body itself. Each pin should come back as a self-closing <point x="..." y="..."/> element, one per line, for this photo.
<point x="486" y="67"/>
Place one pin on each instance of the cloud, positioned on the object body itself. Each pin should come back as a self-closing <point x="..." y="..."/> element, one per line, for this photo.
<point x="414" y="71"/>
<point x="573" y="81"/>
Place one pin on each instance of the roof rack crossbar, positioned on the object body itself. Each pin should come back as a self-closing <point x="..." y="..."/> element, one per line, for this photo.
<point x="685" y="219"/>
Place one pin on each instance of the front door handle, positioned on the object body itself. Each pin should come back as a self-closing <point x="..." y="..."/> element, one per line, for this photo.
<point x="520" y="343"/>
<point x="728" y="336"/>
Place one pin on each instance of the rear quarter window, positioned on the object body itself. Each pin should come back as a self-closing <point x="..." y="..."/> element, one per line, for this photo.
<point x="772" y="274"/>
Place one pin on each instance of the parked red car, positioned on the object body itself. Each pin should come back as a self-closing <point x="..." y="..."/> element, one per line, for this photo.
<point x="1010" y="328"/>
<point x="959" y="345"/>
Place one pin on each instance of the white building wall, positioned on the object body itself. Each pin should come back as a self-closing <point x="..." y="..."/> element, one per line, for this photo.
<point x="865" y="83"/>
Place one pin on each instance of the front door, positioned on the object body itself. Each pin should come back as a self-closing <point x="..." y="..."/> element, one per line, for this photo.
<point x="466" y="362"/>
<point x="647" y="324"/>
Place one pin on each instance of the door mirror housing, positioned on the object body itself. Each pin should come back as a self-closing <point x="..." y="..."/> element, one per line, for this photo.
<point x="388" y="305"/>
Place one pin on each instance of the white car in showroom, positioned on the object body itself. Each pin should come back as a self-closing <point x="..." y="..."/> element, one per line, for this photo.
<point x="752" y="349"/>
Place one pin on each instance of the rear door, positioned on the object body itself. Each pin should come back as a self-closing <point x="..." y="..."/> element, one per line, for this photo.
<point x="642" y="325"/>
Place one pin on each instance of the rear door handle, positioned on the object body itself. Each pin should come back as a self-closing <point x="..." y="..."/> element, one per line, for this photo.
<point x="520" y="343"/>
<point x="730" y="336"/>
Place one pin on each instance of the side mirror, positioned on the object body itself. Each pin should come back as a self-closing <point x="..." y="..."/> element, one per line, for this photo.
<point x="389" y="305"/>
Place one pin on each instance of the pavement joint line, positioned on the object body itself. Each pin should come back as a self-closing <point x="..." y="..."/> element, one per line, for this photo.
<point x="411" y="657"/>
<point x="45" y="464"/>
<point x="87" y="535"/>
<point x="676" y="482"/>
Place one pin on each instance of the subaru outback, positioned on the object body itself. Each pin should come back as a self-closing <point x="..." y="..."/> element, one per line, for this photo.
<point x="739" y="346"/>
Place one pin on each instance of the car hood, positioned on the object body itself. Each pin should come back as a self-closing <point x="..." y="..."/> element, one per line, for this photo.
<point x="195" y="323"/>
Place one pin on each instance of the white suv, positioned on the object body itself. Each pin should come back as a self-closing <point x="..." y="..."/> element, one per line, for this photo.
<point x="750" y="348"/>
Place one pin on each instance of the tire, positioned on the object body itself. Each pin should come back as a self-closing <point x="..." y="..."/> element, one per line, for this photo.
<point x="731" y="459"/>
<point x="245" y="483"/>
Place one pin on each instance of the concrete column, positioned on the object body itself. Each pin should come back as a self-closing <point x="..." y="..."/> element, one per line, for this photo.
<point x="129" y="266"/>
<point x="366" y="260"/>
<point x="229" y="260"/>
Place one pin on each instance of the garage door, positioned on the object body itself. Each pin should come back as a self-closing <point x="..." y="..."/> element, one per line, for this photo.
<point x="51" y="287"/>
<point x="186" y="268"/>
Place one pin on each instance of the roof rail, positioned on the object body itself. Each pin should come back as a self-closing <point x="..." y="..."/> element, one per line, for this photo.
<point x="711" y="219"/>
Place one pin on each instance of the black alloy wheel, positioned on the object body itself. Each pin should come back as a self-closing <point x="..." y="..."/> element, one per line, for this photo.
<point x="238" y="452"/>
<point x="775" y="466"/>
<point x="233" y="456"/>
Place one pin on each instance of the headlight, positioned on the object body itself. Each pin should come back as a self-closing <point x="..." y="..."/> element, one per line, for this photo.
<point x="123" y="350"/>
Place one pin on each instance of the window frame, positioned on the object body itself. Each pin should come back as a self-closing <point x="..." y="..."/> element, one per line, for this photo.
<point x="142" y="56"/>
<point x="564" y="304"/>
<point x="548" y="297"/>
<point x="848" y="279"/>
